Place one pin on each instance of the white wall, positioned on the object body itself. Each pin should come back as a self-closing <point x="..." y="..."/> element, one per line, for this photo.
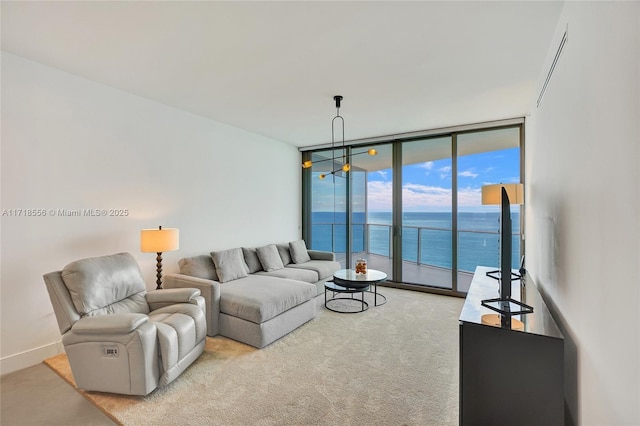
<point x="70" y="143"/>
<point x="583" y="207"/>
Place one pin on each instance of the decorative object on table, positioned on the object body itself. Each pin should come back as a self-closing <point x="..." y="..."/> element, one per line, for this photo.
<point x="361" y="267"/>
<point x="159" y="241"/>
<point x="345" y="159"/>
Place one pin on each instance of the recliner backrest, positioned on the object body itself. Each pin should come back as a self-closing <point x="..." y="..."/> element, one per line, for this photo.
<point x="105" y="285"/>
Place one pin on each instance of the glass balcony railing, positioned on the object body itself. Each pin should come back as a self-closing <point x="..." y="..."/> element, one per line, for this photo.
<point x="428" y="246"/>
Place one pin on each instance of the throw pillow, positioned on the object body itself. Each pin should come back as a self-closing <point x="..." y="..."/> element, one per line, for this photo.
<point x="229" y="264"/>
<point x="283" y="249"/>
<point x="298" y="250"/>
<point x="251" y="259"/>
<point x="270" y="258"/>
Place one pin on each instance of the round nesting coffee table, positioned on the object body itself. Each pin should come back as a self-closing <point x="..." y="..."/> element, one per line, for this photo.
<point x="347" y="281"/>
<point x="334" y="288"/>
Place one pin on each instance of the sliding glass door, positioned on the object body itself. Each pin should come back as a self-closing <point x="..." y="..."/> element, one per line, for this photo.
<point x="372" y="207"/>
<point x="426" y="204"/>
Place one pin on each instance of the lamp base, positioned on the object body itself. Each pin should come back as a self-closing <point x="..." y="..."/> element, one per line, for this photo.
<point x="159" y="271"/>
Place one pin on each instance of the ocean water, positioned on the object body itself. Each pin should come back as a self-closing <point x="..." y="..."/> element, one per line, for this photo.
<point x="426" y="237"/>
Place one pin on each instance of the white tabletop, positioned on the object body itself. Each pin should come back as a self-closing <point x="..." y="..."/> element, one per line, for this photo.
<point x="372" y="275"/>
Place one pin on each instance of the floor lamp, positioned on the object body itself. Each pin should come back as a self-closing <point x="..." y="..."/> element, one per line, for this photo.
<point x="158" y="241"/>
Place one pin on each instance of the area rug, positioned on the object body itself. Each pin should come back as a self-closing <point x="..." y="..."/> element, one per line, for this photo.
<point x="395" y="364"/>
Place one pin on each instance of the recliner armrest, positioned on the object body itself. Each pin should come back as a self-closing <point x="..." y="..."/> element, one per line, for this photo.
<point x="172" y="295"/>
<point x="109" y="324"/>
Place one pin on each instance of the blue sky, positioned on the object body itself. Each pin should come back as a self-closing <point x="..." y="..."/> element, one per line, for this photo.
<point x="427" y="186"/>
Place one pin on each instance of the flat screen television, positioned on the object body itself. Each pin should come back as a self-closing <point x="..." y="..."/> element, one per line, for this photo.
<point x="505" y="304"/>
<point x="505" y="246"/>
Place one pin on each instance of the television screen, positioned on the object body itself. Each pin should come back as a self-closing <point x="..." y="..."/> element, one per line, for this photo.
<point x="504" y="304"/>
<point x="505" y="247"/>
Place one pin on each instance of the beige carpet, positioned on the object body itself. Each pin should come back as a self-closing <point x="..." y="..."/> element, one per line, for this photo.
<point x="395" y="364"/>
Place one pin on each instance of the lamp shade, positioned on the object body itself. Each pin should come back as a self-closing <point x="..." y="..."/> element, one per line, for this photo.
<point x="159" y="240"/>
<point x="491" y="194"/>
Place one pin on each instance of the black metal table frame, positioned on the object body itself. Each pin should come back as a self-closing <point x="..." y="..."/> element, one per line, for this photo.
<point x="337" y="288"/>
<point x="367" y="289"/>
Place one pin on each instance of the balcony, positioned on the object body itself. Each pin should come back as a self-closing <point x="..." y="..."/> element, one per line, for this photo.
<point x="426" y="251"/>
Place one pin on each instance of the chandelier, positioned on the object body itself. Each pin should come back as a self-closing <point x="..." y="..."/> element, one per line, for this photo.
<point x="346" y="166"/>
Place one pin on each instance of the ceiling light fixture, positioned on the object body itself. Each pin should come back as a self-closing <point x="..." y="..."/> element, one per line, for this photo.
<point x="346" y="166"/>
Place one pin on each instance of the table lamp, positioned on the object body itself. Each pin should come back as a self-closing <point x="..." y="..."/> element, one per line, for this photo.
<point x="492" y="195"/>
<point x="158" y="241"/>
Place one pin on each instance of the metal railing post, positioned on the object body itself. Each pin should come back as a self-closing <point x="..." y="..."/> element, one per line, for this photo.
<point x="419" y="258"/>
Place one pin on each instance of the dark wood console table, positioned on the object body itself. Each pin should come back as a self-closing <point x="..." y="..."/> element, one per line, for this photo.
<point x="509" y="376"/>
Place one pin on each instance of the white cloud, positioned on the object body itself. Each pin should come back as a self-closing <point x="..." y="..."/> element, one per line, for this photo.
<point x="469" y="197"/>
<point x="468" y="173"/>
<point x="379" y="195"/>
<point x="427" y="166"/>
<point x="417" y="197"/>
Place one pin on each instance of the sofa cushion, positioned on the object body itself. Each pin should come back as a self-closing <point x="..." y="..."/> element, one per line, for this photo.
<point x="324" y="268"/>
<point x="298" y="251"/>
<point x="283" y="249"/>
<point x="305" y="275"/>
<point x="229" y="264"/>
<point x="98" y="282"/>
<point x="251" y="259"/>
<point x="199" y="266"/>
<point x="269" y="258"/>
<point x="258" y="298"/>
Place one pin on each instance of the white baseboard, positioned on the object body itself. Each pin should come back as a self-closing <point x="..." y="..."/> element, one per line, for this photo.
<point x="28" y="358"/>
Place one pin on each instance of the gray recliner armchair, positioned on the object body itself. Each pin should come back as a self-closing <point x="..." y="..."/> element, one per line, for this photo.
<point x="118" y="336"/>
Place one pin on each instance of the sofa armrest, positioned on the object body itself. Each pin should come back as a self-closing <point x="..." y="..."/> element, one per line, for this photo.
<point x="109" y="324"/>
<point x="209" y="290"/>
<point x="160" y="298"/>
<point x="321" y="255"/>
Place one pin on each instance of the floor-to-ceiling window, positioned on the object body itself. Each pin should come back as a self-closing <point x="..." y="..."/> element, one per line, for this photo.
<point x="413" y="210"/>
<point x="328" y="204"/>
<point x="486" y="156"/>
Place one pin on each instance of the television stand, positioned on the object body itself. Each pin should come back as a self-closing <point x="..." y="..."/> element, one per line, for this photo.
<point x="509" y="375"/>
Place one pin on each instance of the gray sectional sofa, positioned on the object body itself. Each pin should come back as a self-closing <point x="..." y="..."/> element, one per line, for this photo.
<point x="257" y="295"/>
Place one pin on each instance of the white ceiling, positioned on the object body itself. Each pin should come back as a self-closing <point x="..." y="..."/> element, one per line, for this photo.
<point x="273" y="67"/>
